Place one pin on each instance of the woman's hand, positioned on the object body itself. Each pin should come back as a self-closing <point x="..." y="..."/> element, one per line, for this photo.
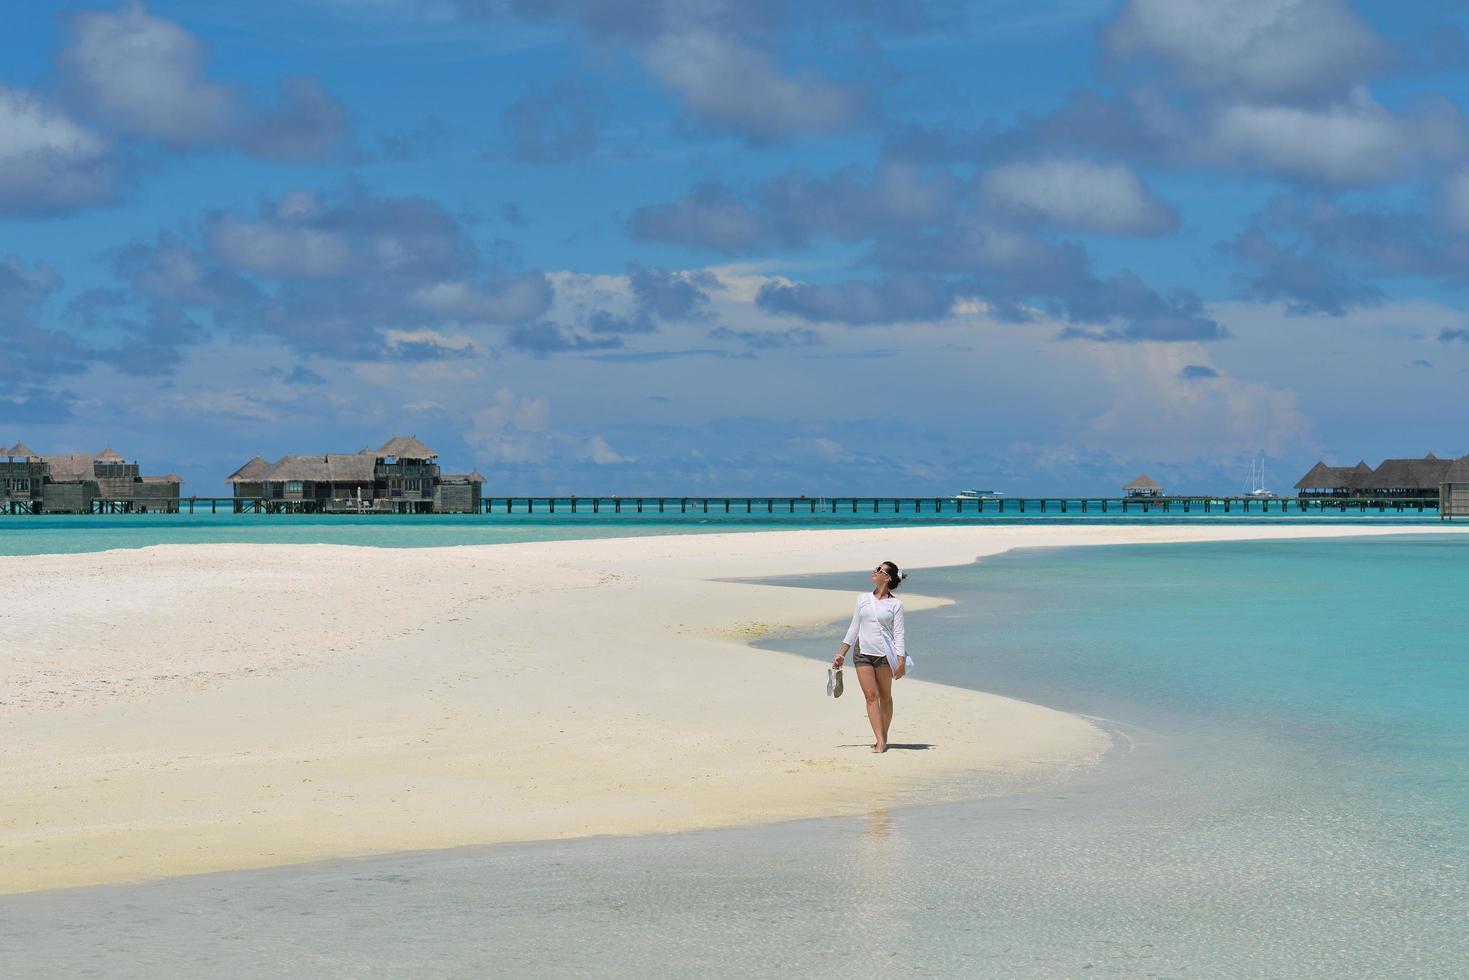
<point x="836" y="664"/>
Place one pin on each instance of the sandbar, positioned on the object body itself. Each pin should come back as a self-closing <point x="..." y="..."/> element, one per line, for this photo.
<point x="190" y="708"/>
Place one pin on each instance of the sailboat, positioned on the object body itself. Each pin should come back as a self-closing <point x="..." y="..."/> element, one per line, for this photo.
<point x="1257" y="480"/>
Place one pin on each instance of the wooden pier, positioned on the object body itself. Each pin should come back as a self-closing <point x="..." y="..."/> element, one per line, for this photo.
<point x="815" y="506"/>
<point x="934" y="506"/>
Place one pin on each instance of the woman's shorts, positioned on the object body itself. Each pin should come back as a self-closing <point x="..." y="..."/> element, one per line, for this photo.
<point x="863" y="660"/>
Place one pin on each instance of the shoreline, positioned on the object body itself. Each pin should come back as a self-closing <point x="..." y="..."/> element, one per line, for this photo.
<point x="313" y="716"/>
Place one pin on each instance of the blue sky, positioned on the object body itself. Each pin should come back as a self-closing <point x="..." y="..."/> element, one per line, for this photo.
<point x="827" y="247"/>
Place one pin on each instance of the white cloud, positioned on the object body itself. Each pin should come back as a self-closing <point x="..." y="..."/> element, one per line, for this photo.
<point x="1156" y="412"/>
<point x="429" y="340"/>
<point x="48" y="161"/>
<point x="511" y="300"/>
<point x="512" y="429"/>
<point x="1261" y="49"/>
<point x="1356" y="142"/>
<point x="517" y="429"/>
<point x="736" y="87"/>
<point x="144" y="76"/>
<point x="602" y="454"/>
<point x="1081" y="194"/>
<point x="280" y="250"/>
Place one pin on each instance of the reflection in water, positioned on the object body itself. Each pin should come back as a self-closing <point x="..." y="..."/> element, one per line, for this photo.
<point x="881" y="902"/>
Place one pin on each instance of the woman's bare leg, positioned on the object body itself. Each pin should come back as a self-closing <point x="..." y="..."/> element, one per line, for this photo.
<point x="867" y="677"/>
<point x="884" y="677"/>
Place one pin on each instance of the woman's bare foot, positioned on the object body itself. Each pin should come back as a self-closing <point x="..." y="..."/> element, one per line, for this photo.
<point x="880" y="748"/>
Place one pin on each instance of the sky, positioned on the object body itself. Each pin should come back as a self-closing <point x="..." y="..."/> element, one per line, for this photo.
<point x="832" y="247"/>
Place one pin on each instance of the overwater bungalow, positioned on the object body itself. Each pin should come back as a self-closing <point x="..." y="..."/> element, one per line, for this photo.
<point x="80" y="483"/>
<point x="1332" y="481"/>
<point x="401" y="476"/>
<point x="1144" y="486"/>
<point x="1404" y="477"/>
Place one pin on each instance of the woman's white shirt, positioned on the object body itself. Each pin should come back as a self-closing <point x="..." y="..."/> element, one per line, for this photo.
<point x="877" y="628"/>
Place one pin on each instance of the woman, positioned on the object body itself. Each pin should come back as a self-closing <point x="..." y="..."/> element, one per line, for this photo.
<point x="881" y="652"/>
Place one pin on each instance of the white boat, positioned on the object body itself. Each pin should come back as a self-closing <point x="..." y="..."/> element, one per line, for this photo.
<point x="978" y="495"/>
<point x="1257" y="481"/>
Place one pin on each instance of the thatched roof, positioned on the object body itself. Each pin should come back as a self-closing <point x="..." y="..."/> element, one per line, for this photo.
<point x="251" y="472"/>
<point x="108" y="455"/>
<point x="171" y="478"/>
<point x="19" y="449"/>
<point x="1144" y="483"/>
<point x="473" y="476"/>
<point x="333" y="468"/>
<point x="1458" y="471"/>
<point x="406" y="447"/>
<point x="1405" y="474"/>
<point x="1323" y="477"/>
<point x="75" y="468"/>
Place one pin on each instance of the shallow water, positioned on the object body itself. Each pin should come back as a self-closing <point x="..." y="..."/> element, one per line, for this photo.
<point x="70" y="534"/>
<point x="1287" y="798"/>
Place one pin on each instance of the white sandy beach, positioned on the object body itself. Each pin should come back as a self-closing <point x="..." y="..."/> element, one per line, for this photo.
<point x="184" y="709"/>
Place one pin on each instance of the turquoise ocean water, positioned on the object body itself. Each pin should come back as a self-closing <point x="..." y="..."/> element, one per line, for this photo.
<point x="1288" y="796"/>
<point x="24" y="535"/>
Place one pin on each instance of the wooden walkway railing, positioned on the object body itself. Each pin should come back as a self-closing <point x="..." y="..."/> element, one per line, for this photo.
<point x="837" y="506"/>
<point x="951" y="505"/>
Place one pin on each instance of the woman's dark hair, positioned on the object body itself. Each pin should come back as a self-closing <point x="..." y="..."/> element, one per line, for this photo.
<point x="895" y="577"/>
